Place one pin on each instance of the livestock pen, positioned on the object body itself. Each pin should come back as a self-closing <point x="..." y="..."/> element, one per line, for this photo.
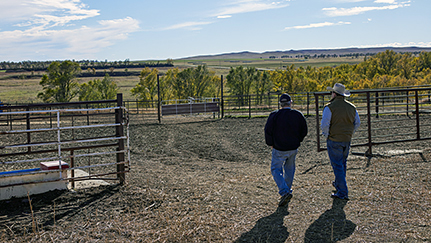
<point x="387" y="116"/>
<point x="58" y="133"/>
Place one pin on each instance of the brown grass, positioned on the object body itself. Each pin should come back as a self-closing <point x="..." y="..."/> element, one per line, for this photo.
<point x="13" y="90"/>
<point x="209" y="181"/>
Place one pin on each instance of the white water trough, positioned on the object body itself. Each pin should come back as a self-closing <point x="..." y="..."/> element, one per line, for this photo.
<point x="33" y="181"/>
<point x="20" y="183"/>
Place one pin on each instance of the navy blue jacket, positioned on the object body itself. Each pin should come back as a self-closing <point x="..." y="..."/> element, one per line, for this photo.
<point x="285" y="129"/>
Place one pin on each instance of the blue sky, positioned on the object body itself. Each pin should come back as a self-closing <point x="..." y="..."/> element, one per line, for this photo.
<point x="159" y="29"/>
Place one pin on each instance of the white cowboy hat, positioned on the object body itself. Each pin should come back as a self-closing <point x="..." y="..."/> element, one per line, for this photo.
<point x="340" y="89"/>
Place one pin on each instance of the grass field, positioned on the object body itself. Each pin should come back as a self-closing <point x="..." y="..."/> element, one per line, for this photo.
<point x="266" y="63"/>
<point x="15" y="90"/>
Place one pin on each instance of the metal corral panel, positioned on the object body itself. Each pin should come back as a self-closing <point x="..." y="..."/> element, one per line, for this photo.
<point x="179" y="109"/>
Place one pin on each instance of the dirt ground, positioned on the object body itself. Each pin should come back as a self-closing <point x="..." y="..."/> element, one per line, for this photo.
<point x="208" y="180"/>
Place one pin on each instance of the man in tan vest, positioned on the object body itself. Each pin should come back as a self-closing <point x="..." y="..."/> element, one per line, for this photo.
<point x="340" y="120"/>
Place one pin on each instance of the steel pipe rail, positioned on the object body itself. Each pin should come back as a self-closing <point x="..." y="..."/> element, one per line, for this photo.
<point x="63" y="149"/>
<point x="379" y="105"/>
<point x="96" y="146"/>
<point x="60" y="128"/>
<point x="63" y="157"/>
<point x="59" y="110"/>
<point x="60" y="143"/>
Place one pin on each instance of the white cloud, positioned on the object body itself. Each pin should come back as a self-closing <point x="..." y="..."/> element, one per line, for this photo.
<point x="34" y="31"/>
<point x="246" y="6"/>
<point x="80" y="40"/>
<point x="187" y="25"/>
<point x="334" y="12"/>
<point x="386" y="1"/>
<point x="45" y="13"/>
<point x="349" y="1"/>
<point x="316" y="25"/>
<point x="92" y="40"/>
<point x="397" y="44"/>
<point x="229" y="9"/>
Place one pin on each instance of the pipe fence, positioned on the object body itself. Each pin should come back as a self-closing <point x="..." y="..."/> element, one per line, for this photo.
<point x="387" y="116"/>
<point x="93" y="140"/>
<point x="391" y="115"/>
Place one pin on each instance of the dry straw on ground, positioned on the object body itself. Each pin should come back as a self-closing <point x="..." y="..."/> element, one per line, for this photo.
<point x="209" y="181"/>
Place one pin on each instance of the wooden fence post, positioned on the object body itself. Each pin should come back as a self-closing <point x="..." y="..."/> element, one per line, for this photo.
<point x="316" y="100"/>
<point x="222" y="100"/>
<point x="28" y="128"/>
<point x="370" y="142"/>
<point x="377" y="104"/>
<point x="249" y="106"/>
<point x="418" y="132"/>
<point x="158" y="99"/>
<point x="120" y="133"/>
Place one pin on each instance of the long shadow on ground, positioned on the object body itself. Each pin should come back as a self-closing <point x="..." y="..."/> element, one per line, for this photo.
<point x="331" y="226"/>
<point x="49" y="207"/>
<point x="268" y="229"/>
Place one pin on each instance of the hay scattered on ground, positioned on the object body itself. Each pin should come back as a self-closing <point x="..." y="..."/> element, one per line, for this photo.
<point x="209" y="181"/>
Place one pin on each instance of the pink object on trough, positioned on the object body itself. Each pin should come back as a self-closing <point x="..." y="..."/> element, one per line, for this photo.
<point x="53" y="165"/>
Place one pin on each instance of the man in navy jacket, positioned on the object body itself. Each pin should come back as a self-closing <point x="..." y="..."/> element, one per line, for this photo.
<point x="285" y="129"/>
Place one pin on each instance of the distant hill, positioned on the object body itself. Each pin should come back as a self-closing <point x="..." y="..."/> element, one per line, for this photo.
<point x="310" y="52"/>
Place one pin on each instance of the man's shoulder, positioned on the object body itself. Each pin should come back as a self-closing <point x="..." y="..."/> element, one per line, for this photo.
<point x="285" y="111"/>
<point x="297" y="112"/>
<point x="272" y="114"/>
<point x="339" y="102"/>
<point x="350" y="103"/>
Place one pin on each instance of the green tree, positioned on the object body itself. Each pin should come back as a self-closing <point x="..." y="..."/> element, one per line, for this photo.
<point x="283" y="79"/>
<point x="105" y="89"/>
<point x="59" y="85"/>
<point x="166" y="82"/>
<point x="404" y="66"/>
<point x="239" y="81"/>
<point x="194" y="82"/>
<point x="262" y="85"/>
<point x="423" y="61"/>
<point x="387" y="61"/>
<point x="146" y="89"/>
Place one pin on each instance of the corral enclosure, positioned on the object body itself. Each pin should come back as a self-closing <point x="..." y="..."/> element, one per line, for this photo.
<point x="196" y="178"/>
<point x="384" y="114"/>
<point x="89" y="143"/>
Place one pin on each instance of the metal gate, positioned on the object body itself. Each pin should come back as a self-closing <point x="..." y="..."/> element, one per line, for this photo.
<point x="387" y="116"/>
<point x="190" y="106"/>
<point x="94" y="140"/>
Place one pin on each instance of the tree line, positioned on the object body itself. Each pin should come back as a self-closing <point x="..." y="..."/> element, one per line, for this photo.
<point x="60" y="85"/>
<point x="84" y="64"/>
<point x="385" y="69"/>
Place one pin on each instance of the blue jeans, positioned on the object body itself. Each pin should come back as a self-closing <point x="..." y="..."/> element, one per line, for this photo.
<point x="283" y="169"/>
<point x="338" y="152"/>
